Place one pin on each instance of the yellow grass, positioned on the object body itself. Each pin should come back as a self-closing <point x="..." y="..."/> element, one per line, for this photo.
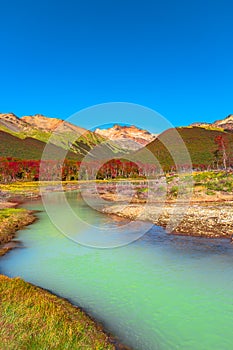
<point x="32" y="318"/>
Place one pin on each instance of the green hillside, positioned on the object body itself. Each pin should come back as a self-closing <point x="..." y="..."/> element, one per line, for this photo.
<point x="28" y="148"/>
<point x="61" y="133"/>
<point x="81" y="146"/>
<point x="31" y="148"/>
<point x="200" y="142"/>
<point x="29" y="130"/>
<point x="33" y="133"/>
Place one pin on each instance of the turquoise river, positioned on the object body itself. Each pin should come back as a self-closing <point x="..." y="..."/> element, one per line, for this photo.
<point x="159" y="292"/>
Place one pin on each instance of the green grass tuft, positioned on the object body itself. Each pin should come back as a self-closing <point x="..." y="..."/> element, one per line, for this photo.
<point x="32" y="318"/>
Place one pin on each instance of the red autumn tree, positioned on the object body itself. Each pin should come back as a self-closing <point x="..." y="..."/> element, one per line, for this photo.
<point x="222" y="147"/>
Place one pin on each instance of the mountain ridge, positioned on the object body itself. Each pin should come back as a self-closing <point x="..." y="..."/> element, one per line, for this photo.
<point x="42" y="128"/>
<point x="127" y="136"/>
<point x="225" y="124"/>
<point x="200" y="139"/>
<point x="57" y="131"/>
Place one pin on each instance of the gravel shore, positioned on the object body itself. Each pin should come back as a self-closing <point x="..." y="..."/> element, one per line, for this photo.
<point x="209" y="220"/>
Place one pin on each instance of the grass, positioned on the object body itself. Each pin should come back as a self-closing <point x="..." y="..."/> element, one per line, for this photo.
<point x="32" y="187"/>
<point x="28" y="148"/>
<point x="32" y="318"/>
<point x="200" y="143"/>
<point x="11" y="220"/>
<point x="22" y="188"/>
<point x="34" y="133"/>
<point x="214" y="181"/>
<point x="6" y="213"/>
<point x="28" y="188"/>
<point x="31" y="143"/>
<point x="207" y="182"/>
<point x="18" y="186"/>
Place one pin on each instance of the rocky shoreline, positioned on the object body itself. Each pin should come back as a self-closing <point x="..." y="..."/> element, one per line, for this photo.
<point x="207" y="216"/>
<point x="212" y="220"/>
<point x="200" y="215"/>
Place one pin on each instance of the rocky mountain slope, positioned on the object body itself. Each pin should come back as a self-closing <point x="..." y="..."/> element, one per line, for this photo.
<point x="20" y="128"/>
<point x="41" y="122"/>
<point x="39" y="127"/>
<point x="225" y="124"/>
<point x="58" y="132"/>
<point x="12" y="123"/>
<point x="128" y="137"/>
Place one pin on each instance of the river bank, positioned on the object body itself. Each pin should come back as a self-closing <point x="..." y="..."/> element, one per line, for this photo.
<point x="212" y="220"/>
<point x="201" y="214"/>
<point x="31" y="317"/>
<point x="11" y="220"/>
<point x="209" y="214"/>
<point x="132" y="211"/>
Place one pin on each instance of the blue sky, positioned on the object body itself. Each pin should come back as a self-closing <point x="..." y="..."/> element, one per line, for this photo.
<point x="174" y="56"/>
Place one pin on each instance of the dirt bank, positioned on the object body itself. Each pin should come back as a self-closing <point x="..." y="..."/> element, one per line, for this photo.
<point x="12" y="220"/>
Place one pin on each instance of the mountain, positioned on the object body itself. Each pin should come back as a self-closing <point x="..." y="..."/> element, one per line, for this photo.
<point x="224" y="124"/>
<point x="39" y="121"/>
<point x="26" y="137"/>
<point x="28" y="148"/>
<point x="39" y="127"/>
<point x="65" y="134"/>
<point x="13" y="125"/>
<point x="200" y="142"/>
<point x="58" y="132"/>
<point x="127" y="137"/>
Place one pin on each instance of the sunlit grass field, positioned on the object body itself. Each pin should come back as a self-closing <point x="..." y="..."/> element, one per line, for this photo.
<point x="32" y="318"/>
